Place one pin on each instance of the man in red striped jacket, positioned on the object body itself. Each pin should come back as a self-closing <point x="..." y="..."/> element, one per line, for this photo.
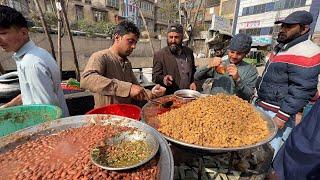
<point x="290" y="78"/>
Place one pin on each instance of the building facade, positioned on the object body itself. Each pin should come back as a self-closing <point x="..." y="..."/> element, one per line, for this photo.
<point x="88" y="10"/>
<point x="256" y="18"/>
<point x="130" y="11"/>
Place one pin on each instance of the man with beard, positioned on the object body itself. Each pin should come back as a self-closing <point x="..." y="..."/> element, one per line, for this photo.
<point x="108" y="73"/>
<point x="173" y="66"/>
<point x="290" y="78"/>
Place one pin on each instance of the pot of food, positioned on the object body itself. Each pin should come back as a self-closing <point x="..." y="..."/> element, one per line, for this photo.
<point x="216" y="124"/>
<point x="61" y="149"/>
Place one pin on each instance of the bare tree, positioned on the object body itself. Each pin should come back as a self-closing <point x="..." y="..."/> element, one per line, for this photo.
<point x="146" y="27"/>
<point x="169" y="9"/>
<point x="45" y="27"/>
<point x="191" y="21"/>
<point x="135" y="3"/>
<point x="2" y="71"/>
<point x="58" y="12"/>
<point x="64" y="12"/>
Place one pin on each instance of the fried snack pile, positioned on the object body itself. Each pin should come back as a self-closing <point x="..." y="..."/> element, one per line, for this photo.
<point x="215" y="121"/>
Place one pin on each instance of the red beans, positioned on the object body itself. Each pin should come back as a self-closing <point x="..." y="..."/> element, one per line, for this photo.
<point x="65" y="155"/>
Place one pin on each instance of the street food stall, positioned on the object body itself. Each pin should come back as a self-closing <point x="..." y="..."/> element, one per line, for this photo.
<point x="195" y="136"/>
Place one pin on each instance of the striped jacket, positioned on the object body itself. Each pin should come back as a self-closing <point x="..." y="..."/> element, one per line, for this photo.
<point x="290" y="78"/>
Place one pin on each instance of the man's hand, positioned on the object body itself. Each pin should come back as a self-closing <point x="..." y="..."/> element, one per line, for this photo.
<point x="158" y="91"/>
<point x="14" y="102"/>
<point x="280" y="123"/>
<point x="137" y="92"/>
<point x="5" y="105"/>
<point x="214" y="62"/>
<point x="315" y="97"/>
<point x="193" y="86"/>
<point x="167" y="80"/>
<point x="233" y="71"/>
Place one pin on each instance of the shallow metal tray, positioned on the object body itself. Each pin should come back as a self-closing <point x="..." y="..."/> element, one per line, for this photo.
<point x="134" y="135"/>
<point x="165" y="163"/>
<point x="151" y="110"/>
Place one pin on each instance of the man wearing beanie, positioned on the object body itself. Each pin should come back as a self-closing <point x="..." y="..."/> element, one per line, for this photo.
<point x="237" y="77"/>
<point x="290" y="78"/>
<point x="173" y="66"/>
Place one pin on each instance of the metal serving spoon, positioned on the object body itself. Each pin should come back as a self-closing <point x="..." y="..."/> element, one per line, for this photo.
<point x="167" y="104"/>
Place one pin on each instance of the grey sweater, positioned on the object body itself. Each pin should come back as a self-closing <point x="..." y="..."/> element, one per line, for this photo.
<point x="223" y="83"/>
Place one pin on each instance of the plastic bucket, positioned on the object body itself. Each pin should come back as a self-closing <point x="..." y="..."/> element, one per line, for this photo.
<point x="125" y="110"/>
<point x="19" y="117"/>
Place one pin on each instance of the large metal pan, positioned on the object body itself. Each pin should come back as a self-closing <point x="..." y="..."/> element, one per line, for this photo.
<point x="165" y="163"/>
<point x="150" y="111"/>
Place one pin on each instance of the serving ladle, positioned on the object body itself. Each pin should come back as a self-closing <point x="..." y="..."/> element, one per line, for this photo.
<point x="166" y="104"/>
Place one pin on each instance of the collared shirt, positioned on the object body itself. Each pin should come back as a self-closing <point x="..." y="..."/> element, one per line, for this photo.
<point x="184" y="69"/>
<point x="39" y="77"/>
<point x="109" y="77"/>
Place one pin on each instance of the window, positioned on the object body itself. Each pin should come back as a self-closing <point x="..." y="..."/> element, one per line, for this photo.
<point x="200" y="16"/>
<point x="244" y="11"/>
<point x="255" y="9"/>
<point x="278" y="5"/>
<point x="271" y="30"/>
<point x="265" y="31"/>
<point x="296" y="3"/>
<point x="130" y="8"/>
<point x="257" y="31"/>
<point x="302" y="2"/>
<point x="113" y="3"/>
<point x="48" y="6"/>
<point x="99" y="15"/>
<point x="79" y="12"/>
<point x="291" y="3"/>
<point x="269" y="6"/>
<point x="263" y="8"/>
<point x="250" y="10"/>
<point x="146" y="6"/>
<point x="286" y="4"/>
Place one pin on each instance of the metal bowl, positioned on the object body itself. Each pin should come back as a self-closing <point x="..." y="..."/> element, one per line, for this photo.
<point x="150" y="112"/>
<point x="135" y="135"/>
<point x="165" y="163"/>
<point x="187" y="94"/>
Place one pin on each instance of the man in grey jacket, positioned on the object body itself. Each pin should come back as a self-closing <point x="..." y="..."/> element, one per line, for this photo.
<point x="230" y="74"/>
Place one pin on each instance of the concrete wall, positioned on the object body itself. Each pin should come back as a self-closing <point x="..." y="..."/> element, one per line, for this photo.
<point x="84" y="47"/>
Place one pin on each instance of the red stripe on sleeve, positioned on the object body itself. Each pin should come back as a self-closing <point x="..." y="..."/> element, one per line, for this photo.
<point x="298" y="60"/>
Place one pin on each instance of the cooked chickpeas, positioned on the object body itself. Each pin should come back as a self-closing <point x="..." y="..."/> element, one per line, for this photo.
<point x="215" y="121"/>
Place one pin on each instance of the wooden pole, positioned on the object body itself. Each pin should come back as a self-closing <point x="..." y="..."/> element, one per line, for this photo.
<point x="59" y="36"/>
<point x="146" y="27"/>
<point x="2" y="71"/>
<point x="45" y="27"/>
<point x="71" y="41"/>
<point x="194" y="22"/>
